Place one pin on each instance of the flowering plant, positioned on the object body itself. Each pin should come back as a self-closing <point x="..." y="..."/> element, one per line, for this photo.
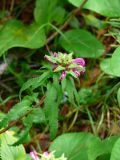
<point x="46" y="156"/>
<point x="65" y="64"/>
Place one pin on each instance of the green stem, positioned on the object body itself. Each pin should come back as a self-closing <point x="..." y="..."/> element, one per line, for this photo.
<point x="91" y="121"/>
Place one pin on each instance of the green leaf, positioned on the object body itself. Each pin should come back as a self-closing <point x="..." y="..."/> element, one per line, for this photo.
<point x="112" y="65"/>
<point x="37" y="115"/>
<point x="118" y="96"/>
<point x="8" y="152"/>
<point x="82" y="43"/>
<point x="72" y="92"/>
<point x="76" y="3"/>
<point x="73" y="145"/>
<point x="35" y="82"/>
<point x="115" y="154"/>
<point x="52" y="101"/>
<point x="100" y="148"/>
<point x="105" y="66"/>
<point x="48" y="11"/>
<point x="115" y="62"/>
<point x="17" y="111"/>
<point x="104" y="7"/>
<point x="15" y="34"/>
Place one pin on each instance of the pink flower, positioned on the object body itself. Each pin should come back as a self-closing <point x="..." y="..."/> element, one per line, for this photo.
<point x="63" y="75"/>
<point x="54" y="66"/>
<point x="55" y="54"/>
<point x="45" y="154"/>
<point x="76" y="72"/>
<point x="34" y="155"/>
<point x="79" y="61"/>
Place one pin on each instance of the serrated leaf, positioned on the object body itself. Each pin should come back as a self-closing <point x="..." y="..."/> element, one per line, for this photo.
<point x="35" y="82"/>
<point x="23" y="136"/>
<point x="52" y="101"/>
<point x="17" y="111"/>
<point x="37" y="115"/>
<point x="82" y="43"/>
<point x="15" y="34"/>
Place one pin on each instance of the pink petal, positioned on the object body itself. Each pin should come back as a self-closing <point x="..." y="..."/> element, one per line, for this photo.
<point x="34" y="155"/>
<point x="79" y="61"/>
<point x="55" y="54"/>
<point x="45" y="154"/>
<point x="54" y="66"/>
<point x="63" y="75"/>
<point x="76" y="72"/>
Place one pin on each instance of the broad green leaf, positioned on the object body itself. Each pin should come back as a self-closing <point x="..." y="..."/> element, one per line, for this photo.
<point x="101" y="148"/>
<point x="8" y="152"/>
<point x="112" y="65"/>
<point x="48" y="11"/>
<point x="105" y="66"/>
<point x="107" y="8"/>
<point x="118" y="96"/>
<point x="115" y="62"/>
<point x="76" y="3"/>
<point x="73" y="145"/>
<point x="115" y="154"/>
<point x="15" y="34"/>
<point x="82" y="43"/>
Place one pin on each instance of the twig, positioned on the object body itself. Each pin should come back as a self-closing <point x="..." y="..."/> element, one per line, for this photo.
<point x="74" y="12"/>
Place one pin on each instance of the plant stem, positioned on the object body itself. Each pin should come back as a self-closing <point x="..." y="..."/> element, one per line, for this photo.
<point x="74" y="120"/>
<point x="91" y="120"/>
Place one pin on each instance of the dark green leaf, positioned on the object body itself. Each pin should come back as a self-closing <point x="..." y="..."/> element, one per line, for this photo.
<point x="48" y="11"/>
<point x="82" y="43"/>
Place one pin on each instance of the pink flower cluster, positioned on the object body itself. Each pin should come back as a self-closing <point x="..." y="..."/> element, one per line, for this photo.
<point x="34" y="155"/>
<point x="65" y="64"/>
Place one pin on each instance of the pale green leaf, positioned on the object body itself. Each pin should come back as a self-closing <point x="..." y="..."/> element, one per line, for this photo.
<point x="8" y="152"/>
